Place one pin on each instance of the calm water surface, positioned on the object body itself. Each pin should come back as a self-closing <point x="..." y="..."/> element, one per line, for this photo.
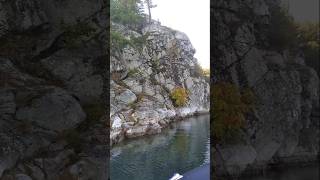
<point x="292" y="173"/>
<point x="180" y="148"/>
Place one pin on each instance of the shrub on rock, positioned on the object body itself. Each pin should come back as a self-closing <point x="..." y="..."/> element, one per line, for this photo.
<point x="229" y="109"/>
<point x="179" y="96"/>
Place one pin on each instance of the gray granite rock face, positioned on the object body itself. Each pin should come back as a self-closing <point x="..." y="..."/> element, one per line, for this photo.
<point x="50" y="86"/>
<point x="77" y="72"/>
<point x="142" y="81"/>
<point x="54" y="110"/>
<point x="282" y="124"/>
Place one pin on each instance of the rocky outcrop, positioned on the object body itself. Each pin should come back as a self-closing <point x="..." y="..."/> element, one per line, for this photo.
<point x="145" y="75"/>
<point x="51" y="62"/>
<point x="283" y="126"/>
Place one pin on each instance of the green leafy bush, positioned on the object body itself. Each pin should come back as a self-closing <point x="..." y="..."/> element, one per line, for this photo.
<point x="128" y="13"/>
<point x="134" y="72"/>
<point x="118" y="41"/>
<point x="179" y="96"/>
<point x="230" y="107"/>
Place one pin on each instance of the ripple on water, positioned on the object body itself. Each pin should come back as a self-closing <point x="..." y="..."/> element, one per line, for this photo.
<point x="184" y="146"/>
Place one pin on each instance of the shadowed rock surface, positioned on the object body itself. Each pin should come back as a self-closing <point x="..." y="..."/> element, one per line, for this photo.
<point x="284" y="125"/>
<point x="52" y="54"/>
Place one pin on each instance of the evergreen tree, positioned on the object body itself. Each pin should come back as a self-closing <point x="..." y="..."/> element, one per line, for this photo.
<point x="150" y="5"/>
<point x="126" y="12"/>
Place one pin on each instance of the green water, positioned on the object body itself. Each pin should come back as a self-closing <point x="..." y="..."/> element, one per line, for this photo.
<point x="181" y="147"/>
<point x="292" y="173"/>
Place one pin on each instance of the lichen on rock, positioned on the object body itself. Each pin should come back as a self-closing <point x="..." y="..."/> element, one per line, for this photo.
<point x="150" y="75"/>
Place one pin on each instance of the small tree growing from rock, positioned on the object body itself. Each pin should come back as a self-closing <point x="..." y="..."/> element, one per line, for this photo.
<point x="150" y="5"/>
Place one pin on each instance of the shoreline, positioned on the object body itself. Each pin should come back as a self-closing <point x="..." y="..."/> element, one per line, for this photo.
<point x="149" y="131"/>
<point x="180" y="148"/>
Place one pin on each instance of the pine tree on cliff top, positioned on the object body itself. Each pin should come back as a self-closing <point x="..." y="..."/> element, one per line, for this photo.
<point x="150" y="5"/>
<point x="126" y="12"/>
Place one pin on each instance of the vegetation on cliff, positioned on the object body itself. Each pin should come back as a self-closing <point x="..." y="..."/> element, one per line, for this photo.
<point x="284" y="33"/>
<point x="230" y="107"/>
<point x="126" y="12"/>
<point x="310" y="43"/>
<point x="130" y="14"/>
<point x="179" y="96"/>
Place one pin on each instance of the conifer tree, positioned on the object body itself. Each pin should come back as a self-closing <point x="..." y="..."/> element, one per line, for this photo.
<point x="150" y="5"/>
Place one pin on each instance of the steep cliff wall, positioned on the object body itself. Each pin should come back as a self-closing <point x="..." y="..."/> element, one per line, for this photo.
<point x="51" y="58"/>
<point x="144" y="78"/>
<point x="284" y="125"/>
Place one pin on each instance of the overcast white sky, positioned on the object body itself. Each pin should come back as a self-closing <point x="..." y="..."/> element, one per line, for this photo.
<point x="303" y="10"/>
<point x="191" y="17"/>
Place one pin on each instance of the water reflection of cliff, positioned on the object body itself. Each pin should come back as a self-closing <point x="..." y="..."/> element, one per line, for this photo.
<point x="180" y="148"/>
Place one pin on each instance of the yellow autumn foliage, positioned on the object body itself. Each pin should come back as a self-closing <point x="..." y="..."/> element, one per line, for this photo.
<point x="179" y="96"/>
<point x="230" y="107"/>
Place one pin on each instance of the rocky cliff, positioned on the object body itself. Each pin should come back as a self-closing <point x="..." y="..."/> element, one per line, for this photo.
<point x="52" y="55"/>
<point x="284" y="125"/>
<point x="144" y="76"/>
